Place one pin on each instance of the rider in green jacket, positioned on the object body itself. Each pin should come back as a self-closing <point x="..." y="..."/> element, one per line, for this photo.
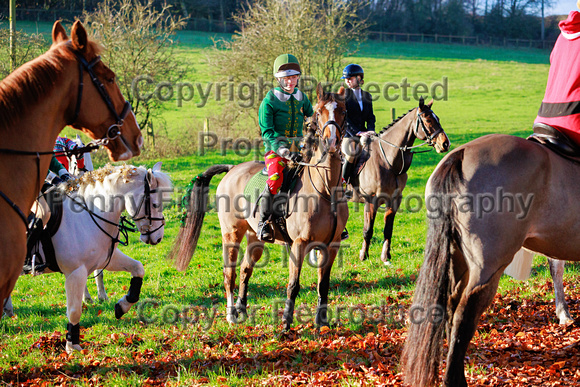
<point x="281" y="117"/>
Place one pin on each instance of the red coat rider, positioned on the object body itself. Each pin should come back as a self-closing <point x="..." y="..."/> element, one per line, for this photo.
<point x="561" y="104"/>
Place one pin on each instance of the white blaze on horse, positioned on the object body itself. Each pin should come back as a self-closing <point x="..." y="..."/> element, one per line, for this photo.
<point x="67" y="85"/>
<point x="87" y="240"/>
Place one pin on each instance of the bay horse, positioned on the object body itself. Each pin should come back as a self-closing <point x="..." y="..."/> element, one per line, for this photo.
<point x="67" y="85"/>
<point x="318" y="213"/>
<point x="485" y="200"/>
<point x="91" y="229"/>
<point x="384" y="175"/>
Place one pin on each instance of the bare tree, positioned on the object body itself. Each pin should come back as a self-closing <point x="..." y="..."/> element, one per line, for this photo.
<point x="139" y="42"/>
<point x="28" y="47"/>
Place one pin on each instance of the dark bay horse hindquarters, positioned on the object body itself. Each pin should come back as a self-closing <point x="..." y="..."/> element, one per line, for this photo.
<point x="36" y="101"/>
<point x="317" y="215"/>
<point x="485" y="200"/>
<point x="384" y="175"/>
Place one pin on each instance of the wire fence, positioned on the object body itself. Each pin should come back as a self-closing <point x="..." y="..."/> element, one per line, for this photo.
<point x="457" y="39"/>
<point x="223" y="26"/>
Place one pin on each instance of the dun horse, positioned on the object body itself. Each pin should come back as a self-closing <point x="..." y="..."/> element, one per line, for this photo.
<point x="485" y="200"/>
<point x="384" y="175"/>
<point x="317" y="215"/>
<point x="68" y="85"/>
<point x="87" y="240"/>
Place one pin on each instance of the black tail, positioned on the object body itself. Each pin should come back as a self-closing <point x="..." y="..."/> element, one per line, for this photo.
<point x="186" y="241"/>
<point x="422" y="352"/>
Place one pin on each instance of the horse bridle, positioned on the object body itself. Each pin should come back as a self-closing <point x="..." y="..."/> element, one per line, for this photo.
<point x="428" y="137"/>
<point x="114" y="130"/>
<point x="146" y="202"/>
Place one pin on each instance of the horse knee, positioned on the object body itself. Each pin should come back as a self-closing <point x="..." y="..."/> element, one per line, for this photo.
<point x="138" y="270"/>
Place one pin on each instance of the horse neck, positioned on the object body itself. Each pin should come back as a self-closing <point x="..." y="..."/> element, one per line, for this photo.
<point x="40" y="121"/>
<point x="402" y="133"/>
<point x="105" y="201"/>
<point x="327" y="174"/>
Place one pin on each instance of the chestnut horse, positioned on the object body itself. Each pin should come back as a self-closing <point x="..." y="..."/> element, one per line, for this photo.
<point x="485" y="200"/>
<point x="317" y="215"/>
<point x="67" y="85"/>
<point x="384" y="175"/>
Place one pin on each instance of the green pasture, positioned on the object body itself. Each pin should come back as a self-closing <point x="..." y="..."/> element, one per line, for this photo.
<point x="490" y="90"/>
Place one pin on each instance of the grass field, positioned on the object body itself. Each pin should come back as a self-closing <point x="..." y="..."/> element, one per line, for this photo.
<point x="490" y="90"/>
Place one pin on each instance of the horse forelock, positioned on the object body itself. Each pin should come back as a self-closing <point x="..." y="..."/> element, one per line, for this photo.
<point x="26" y="85"/>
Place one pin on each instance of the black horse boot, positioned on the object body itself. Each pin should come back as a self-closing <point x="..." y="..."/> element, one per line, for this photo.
<point x="265" y="231"/>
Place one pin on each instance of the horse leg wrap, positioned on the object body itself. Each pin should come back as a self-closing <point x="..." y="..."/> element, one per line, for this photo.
<point x="73" y="333"/>
<point x="134" y="290"/>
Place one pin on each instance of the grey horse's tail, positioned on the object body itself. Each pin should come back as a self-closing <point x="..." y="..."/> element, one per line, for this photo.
<point x="186" y="241"/>
<point x="429" y="312"/>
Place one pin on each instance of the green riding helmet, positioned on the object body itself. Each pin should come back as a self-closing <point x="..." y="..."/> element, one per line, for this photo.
<point x="286" y="65"/>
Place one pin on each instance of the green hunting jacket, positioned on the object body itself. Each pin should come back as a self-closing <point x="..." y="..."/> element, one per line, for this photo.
<point x="281" y="118"/>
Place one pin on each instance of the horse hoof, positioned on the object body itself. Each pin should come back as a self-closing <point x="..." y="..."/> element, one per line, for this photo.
<point x="287" y="326"/>
<point x="118" y="311"/>
<point x="387" y="263"/>
<point x="566" y="320"/>
<point x="363" y="256"/>
<point x="70" y="347"/>
<point x="232" y="319"/>
<point x="242" y="314"/>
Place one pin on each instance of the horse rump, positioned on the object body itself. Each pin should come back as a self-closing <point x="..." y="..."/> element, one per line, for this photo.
<point x="429" y="313"/>
<point x="186" y="240"/>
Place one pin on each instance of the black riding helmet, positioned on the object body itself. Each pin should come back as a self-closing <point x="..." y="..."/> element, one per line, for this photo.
<point x="352" y="70"/>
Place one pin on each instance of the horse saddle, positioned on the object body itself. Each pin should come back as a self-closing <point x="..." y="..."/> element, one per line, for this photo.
<point x="556" y="141"/>
<point x="44" y="222"/>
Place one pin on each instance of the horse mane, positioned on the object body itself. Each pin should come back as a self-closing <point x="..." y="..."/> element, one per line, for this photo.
<point x="109" y="176"/>
<point x="26" y="85"/>
<point x="394" y="122"/>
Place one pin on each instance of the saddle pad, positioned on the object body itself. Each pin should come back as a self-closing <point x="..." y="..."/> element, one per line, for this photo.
<point x="257" y="183"/>
<point x="255" y="186"/>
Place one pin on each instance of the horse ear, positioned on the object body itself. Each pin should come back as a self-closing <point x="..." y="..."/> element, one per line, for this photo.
<point x="58" y="33"/>
<point x="157" y="167"/>
<point x="79" y="141"/>
<point x="319" y="91"/>
<point x="421" y="103"/>
<point x="430" y="103"/>
<point x="79" y="36"/>
<point x="341" y="91"/>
